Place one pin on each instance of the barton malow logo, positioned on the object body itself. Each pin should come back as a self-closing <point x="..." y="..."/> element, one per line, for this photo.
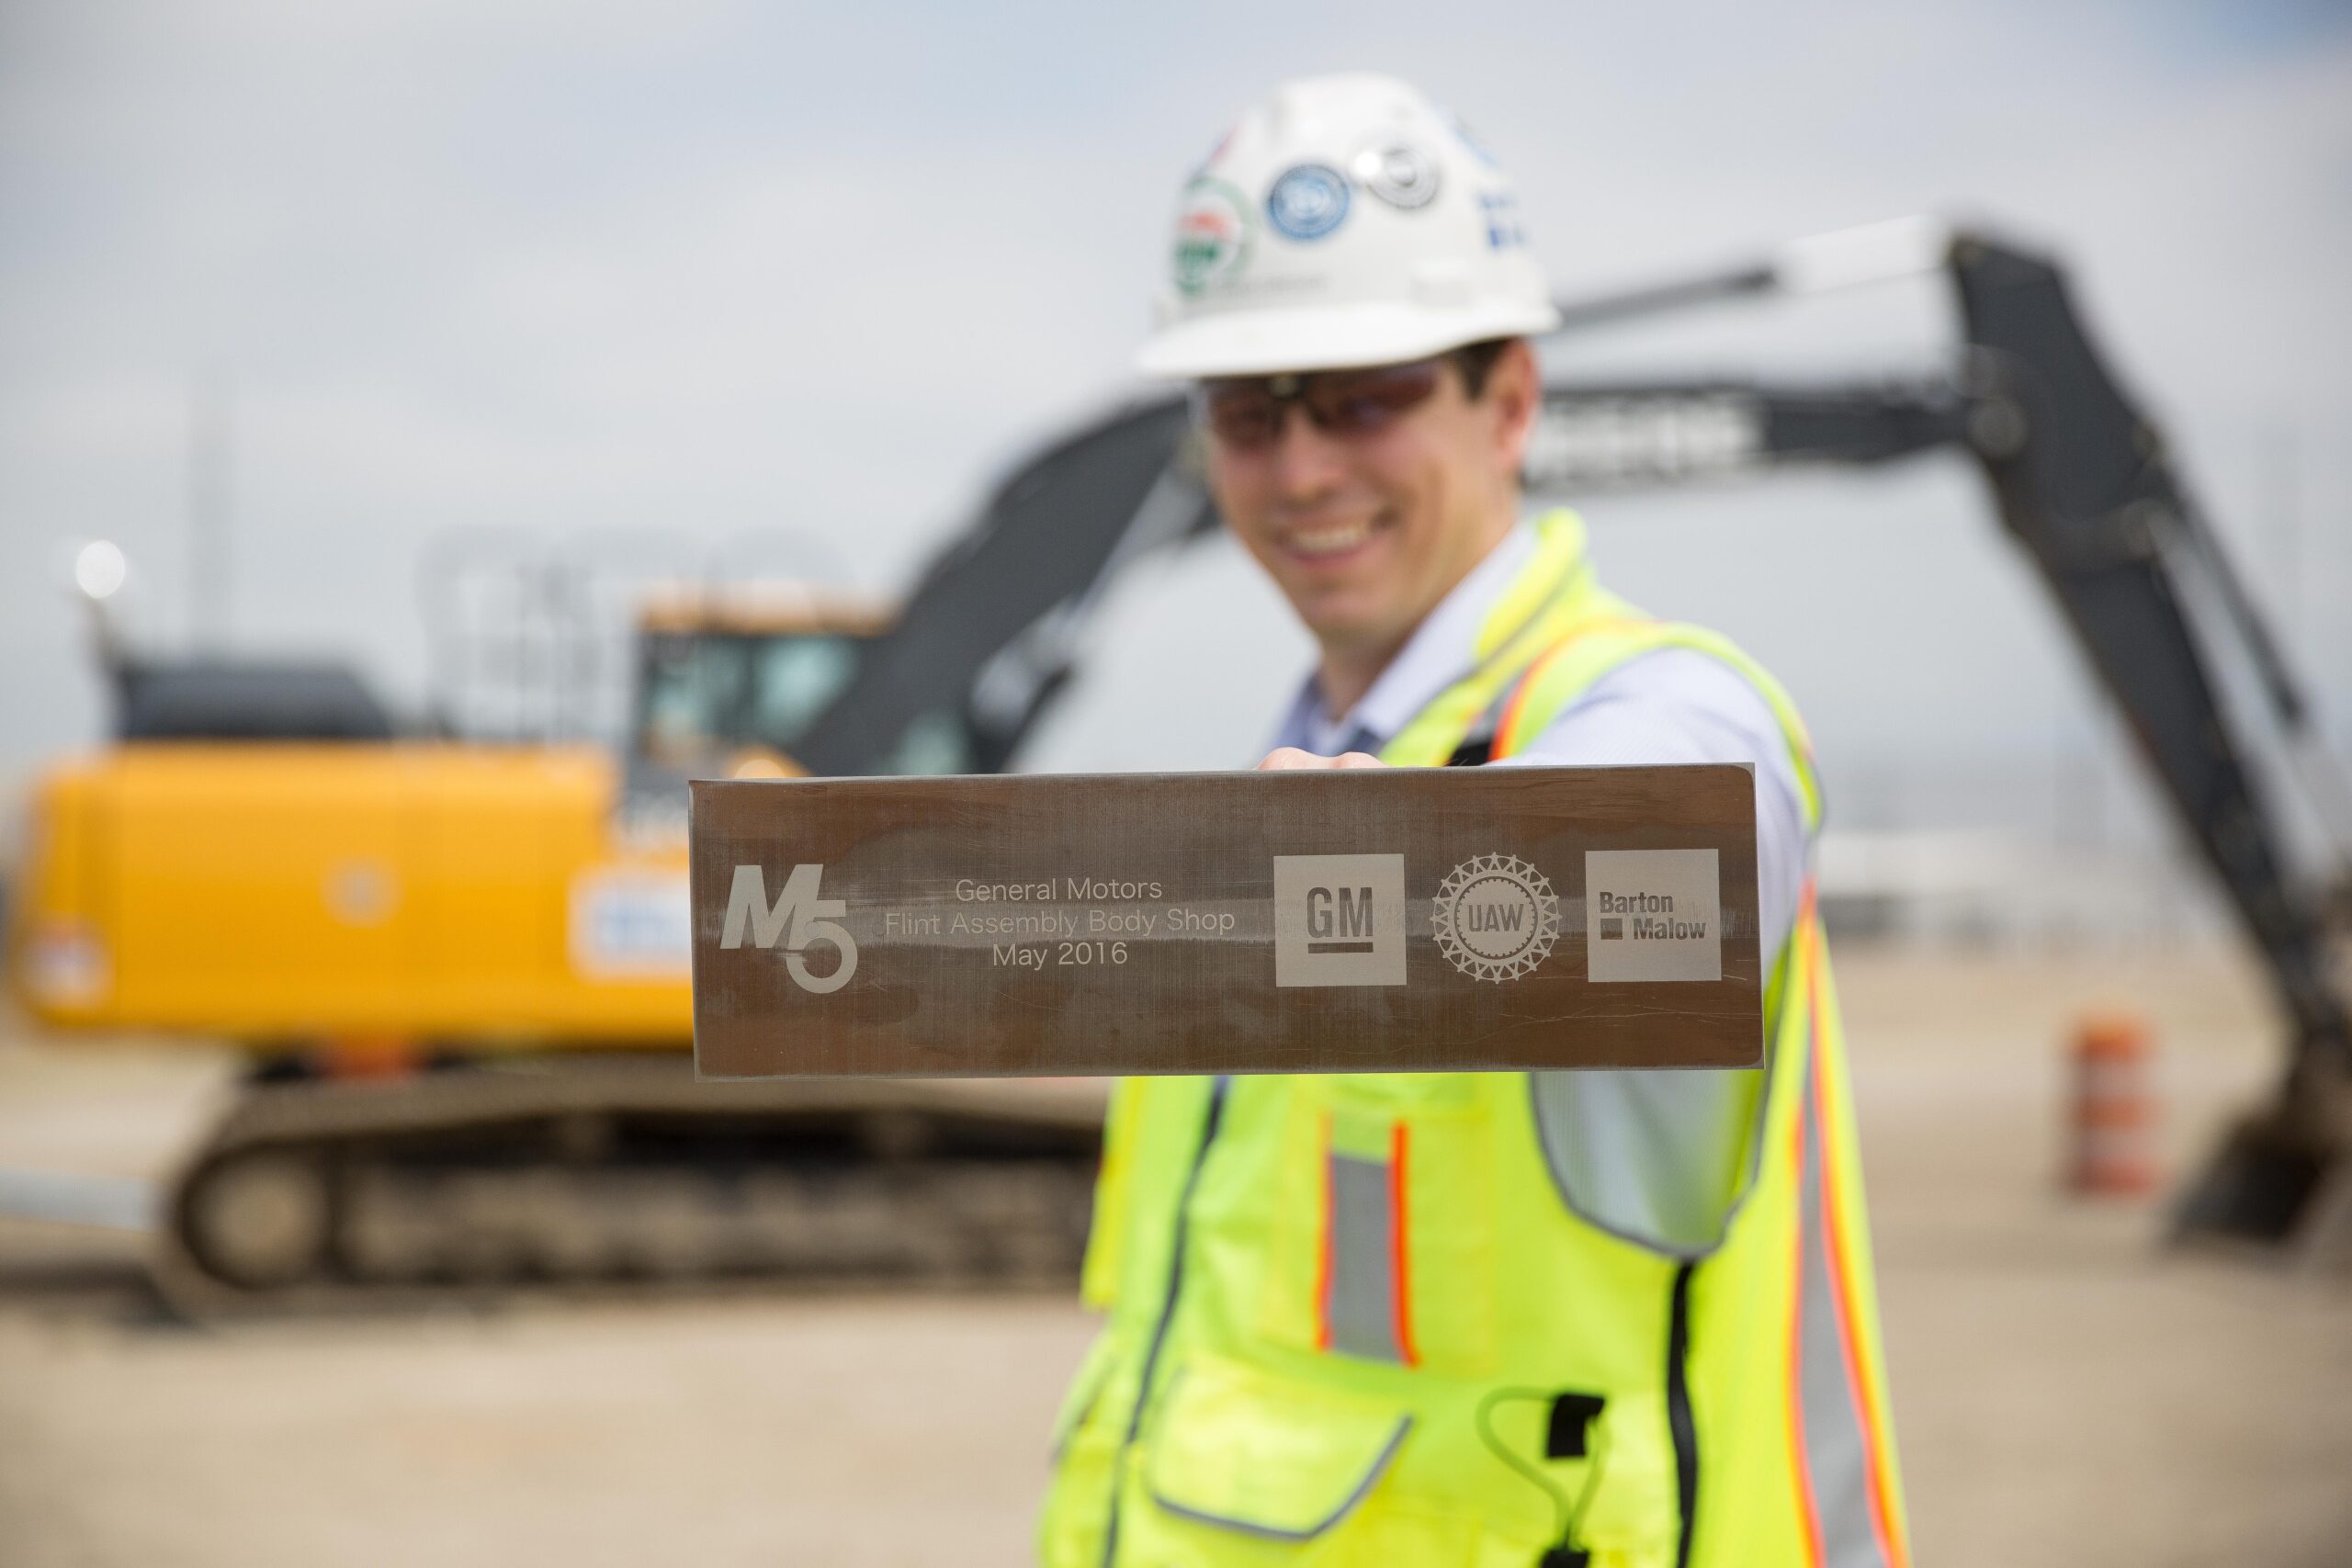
<point x="1652" y="915"/>
<point x="1497" y="917"/>
<point x="797" y="919"/>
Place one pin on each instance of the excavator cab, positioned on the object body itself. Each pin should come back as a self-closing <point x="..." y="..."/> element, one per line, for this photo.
<point x="748" y="672"/>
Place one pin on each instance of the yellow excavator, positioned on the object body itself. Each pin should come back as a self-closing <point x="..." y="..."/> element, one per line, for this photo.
<point x="262" y="857"/>
<point x="460" y="967"/>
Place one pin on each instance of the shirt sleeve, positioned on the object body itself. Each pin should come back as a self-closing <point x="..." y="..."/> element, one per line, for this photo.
<point x="1661" y="1157"/>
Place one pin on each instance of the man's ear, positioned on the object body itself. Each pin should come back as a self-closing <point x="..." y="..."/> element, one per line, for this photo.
<point x="1515" y="391"/>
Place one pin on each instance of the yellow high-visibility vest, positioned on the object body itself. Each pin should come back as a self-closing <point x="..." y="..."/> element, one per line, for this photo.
<point x="1353" y="1319"/>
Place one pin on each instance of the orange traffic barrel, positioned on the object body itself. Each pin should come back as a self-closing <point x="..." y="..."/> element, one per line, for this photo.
<point x="2112" y="1116"/>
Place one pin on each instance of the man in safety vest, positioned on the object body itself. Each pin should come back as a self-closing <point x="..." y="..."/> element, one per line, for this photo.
<point x="1490" y="1319"/>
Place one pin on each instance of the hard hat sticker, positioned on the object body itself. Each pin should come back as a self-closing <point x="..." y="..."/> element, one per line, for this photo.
<point x="1499" y="209"/>
<point x="1307" y="201"/>
<point x="1211" y="235"/>
<point x="1398" y="172"/>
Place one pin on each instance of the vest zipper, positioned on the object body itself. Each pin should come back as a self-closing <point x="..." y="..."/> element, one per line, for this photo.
<point x="1167" y="1313"/>
<point x="1679" y="1419"/>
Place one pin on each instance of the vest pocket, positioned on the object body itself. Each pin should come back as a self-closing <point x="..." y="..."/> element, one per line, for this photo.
<point x="1281" y="1461"/>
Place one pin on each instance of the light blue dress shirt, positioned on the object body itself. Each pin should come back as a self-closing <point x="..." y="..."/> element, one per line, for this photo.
<point x="1658" y="1157"/>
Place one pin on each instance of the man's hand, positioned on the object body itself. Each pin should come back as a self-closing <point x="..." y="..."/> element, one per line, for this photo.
<point x="1284" y="758"/>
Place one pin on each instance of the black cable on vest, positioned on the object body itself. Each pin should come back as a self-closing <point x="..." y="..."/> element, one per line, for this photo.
<point x="1679" y="1419"/>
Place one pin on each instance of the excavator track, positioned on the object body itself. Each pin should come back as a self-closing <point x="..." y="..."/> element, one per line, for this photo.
<point x="620" y="1173"/>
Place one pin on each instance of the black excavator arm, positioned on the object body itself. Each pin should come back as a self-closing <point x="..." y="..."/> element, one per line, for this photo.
<point x="2079" y="475"/>
<point x="2086" y="487"/>
<point x="988" y="636"/>
<point x="2083" y="483"/>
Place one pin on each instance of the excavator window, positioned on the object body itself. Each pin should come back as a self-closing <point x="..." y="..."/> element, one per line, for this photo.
<point x="704" y="691"/>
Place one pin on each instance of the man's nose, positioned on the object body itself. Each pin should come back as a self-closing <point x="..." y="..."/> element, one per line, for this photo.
<point x="1306" y="460"/>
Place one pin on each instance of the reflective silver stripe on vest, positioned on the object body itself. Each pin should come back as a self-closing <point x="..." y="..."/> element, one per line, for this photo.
<point x="1360" y="1288"/>
<point x="1836" y="1443"/>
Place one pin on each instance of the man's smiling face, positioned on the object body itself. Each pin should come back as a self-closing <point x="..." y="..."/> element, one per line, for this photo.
<point x="1367" y="526"/>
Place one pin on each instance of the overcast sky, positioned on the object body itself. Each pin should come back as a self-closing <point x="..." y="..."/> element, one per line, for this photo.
<point x="705" y="268"/>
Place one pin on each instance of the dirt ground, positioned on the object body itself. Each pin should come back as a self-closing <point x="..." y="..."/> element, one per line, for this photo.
<point x="2066" y="1393"/>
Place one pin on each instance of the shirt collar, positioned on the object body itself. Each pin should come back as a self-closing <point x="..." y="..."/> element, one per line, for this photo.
<point x="1440" y="650"/>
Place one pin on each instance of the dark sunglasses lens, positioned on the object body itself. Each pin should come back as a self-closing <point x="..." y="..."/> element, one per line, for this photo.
<point x="1246" y="417"/>
<point x="1358" y="402"/>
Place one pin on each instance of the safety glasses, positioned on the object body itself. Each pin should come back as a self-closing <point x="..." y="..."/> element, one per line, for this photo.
<point x="1245" y="412"/>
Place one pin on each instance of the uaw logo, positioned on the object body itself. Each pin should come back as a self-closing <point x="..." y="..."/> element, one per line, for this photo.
<point x="1339" y="919"/>
<point x="797" y="918"/>
<point x="1497" y="917"/>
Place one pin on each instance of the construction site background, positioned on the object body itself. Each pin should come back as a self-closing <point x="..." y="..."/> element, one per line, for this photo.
<point x="293" y="302"/>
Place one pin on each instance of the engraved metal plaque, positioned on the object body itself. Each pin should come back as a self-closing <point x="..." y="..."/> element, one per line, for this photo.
<point x="1349" y="920"/>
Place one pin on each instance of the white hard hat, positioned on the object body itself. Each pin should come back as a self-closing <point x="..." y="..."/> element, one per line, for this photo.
<point x="1346" y="220"/>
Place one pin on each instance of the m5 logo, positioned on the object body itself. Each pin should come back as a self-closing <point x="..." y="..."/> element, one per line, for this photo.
<point x="797" y="906"/>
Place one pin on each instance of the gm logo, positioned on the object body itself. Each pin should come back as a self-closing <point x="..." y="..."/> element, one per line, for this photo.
<point x="798" y="917"/>
<point x="1339" y="919"/>
<point x="1349" y="931"/>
